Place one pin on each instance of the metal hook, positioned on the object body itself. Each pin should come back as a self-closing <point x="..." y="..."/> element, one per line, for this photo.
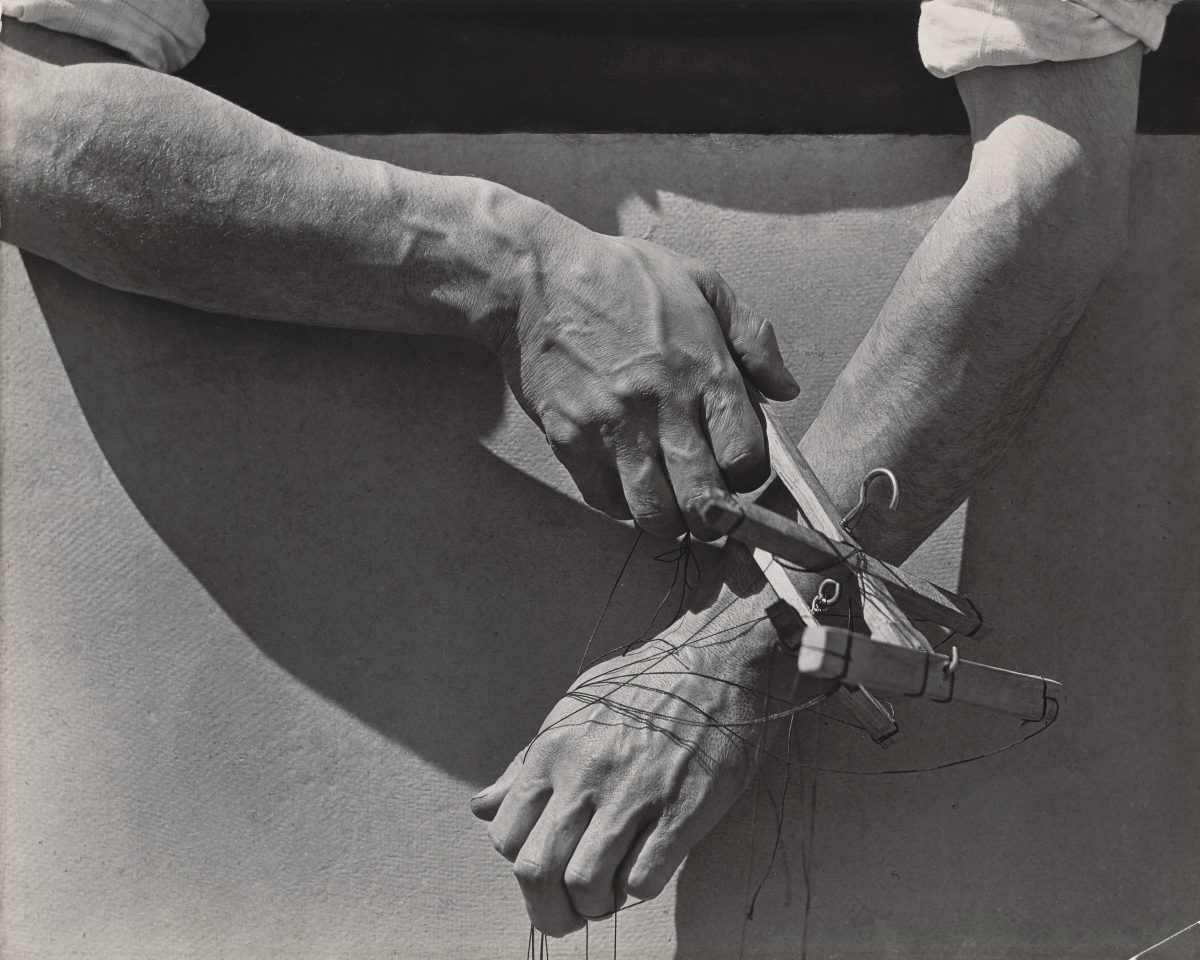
<point x="856" y="511"/>
<point x="952" y="665"/>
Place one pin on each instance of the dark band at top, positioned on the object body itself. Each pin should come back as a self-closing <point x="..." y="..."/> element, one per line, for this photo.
<point x="644" y="66"/>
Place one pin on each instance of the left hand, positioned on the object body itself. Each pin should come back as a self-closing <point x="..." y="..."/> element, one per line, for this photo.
<point x="634" y="361"/>
<point x="610" y="796"/>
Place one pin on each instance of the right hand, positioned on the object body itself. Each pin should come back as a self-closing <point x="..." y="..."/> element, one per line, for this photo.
<point x="631" y="769"/>
<point x="631" y="359"/>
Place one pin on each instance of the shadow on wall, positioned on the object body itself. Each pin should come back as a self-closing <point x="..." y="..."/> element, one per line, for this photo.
<point x="596" y="175"/>
<point x="1080" y="548"/>
<point x="329" y="489"/>
<point x="330" y="492"/>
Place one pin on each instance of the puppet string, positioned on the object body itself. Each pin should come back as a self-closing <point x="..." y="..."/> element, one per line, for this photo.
<point x="758" y="782"/>
<point x="646" y="666"/>
<point x="702" y="718"/>
<point x="780" y="810"/>
<point x="608" y="602"/>
<point x="630" y="675"/>
<point x="587" y="695"/>
<point x="729" y="727"/>
<point x="686" y="576"/>
<point x="808" y="849"/>
<point x="646" y="663"/>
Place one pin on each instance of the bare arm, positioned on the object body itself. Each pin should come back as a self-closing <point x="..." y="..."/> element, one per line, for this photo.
<point x="627" y="355"/>
<point x="144" y="182"/>
<point x="594" y="812"/>
<point x="973" y="327"/>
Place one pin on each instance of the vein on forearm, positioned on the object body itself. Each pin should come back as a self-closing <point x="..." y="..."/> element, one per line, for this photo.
<point x="969" y="334"/>
<point x="149" y="184"/>
<point x="955" y="361"/>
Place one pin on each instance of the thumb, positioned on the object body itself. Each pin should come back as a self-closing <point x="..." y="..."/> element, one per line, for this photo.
<point x="751" y="339"/>
<point x="487" y="801"/>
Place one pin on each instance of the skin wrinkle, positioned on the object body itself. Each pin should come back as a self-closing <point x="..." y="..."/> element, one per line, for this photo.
<point x="992" y="344"/>
<point x="959" y="354"/>
<point x="213" y="196"/>
<point x="640" y="420"/>
<point x="185" y="197"/>
<point x="879" y="411"/>
<point x="199" y="202"/>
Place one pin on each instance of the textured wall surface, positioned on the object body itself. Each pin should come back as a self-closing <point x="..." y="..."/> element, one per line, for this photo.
<point x="276" y="601"/>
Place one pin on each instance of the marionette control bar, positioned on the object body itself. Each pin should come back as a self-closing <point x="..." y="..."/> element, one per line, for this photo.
<point x="853" y="659"/>
<point x="811" y="550"/>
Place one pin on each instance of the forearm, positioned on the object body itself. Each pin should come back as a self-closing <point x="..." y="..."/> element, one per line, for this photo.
<point x="975" y="323"/>
<point x="146" y="183"/>
<point x="964" y="343"/>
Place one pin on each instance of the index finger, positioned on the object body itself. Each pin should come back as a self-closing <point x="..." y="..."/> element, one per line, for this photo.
<point x="750" y="336"/>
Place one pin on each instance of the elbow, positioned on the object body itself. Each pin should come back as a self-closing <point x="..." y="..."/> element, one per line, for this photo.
<point x="1058" y="141"/>
<point x="1066" y="201"/>
<point x="28" y="106"/>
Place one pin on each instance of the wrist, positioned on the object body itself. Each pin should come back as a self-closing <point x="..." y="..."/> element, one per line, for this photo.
<point x="509" y="239"/>
<point x="461" y="253"/>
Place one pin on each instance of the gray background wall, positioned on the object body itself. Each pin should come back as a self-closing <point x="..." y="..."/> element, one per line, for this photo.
<point x="276" y="601"/>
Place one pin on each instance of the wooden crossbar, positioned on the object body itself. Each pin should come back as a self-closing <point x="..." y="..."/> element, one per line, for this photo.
<point x="832" y="653"/>
<point x="809" y="550"/>
<point x="882" y="614"/>
<point x="895" y="657"/>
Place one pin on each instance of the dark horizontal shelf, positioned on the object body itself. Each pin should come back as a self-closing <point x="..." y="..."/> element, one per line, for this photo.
<point x="664" y="66"/>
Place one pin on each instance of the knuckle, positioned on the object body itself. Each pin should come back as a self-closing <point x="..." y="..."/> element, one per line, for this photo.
<point x="564" y="435"/>
<point x="693" y="507"/>
<point x="607" y="411"/>
<point x="640" y="385"/>
<point x="722" y="381"/>
<point x="744" y="453"/>
<point x="744" y="323"/>
<point x="503" y="845"/>
<point x="706" y="274"/>
<point x="696" y="270"/>
<point x="693" y="502"/>
<point x="580" y="882"/>
<point x="744" y="460"/>
<point x="531" y="872"/>
<point x="609" y="504"/>
<point x="660" y="522"/>
<point x="645" y="884"/>
<point x="633" y="260"/>
<point x="719" y="296"/>
<point x="725" y="386"/>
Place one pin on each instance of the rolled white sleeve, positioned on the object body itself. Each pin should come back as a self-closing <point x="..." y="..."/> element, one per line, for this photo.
<point x="162" y="34"/>
<point x="958" y="35"/>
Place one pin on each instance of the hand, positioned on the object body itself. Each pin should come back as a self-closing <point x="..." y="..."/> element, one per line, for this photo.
<point x="611" y="795"/>
<point x="631" y="359"/>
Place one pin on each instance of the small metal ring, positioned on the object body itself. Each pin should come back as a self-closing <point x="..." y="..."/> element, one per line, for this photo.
<point x="827" y="595"/>
<point x="950" y="667"/>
